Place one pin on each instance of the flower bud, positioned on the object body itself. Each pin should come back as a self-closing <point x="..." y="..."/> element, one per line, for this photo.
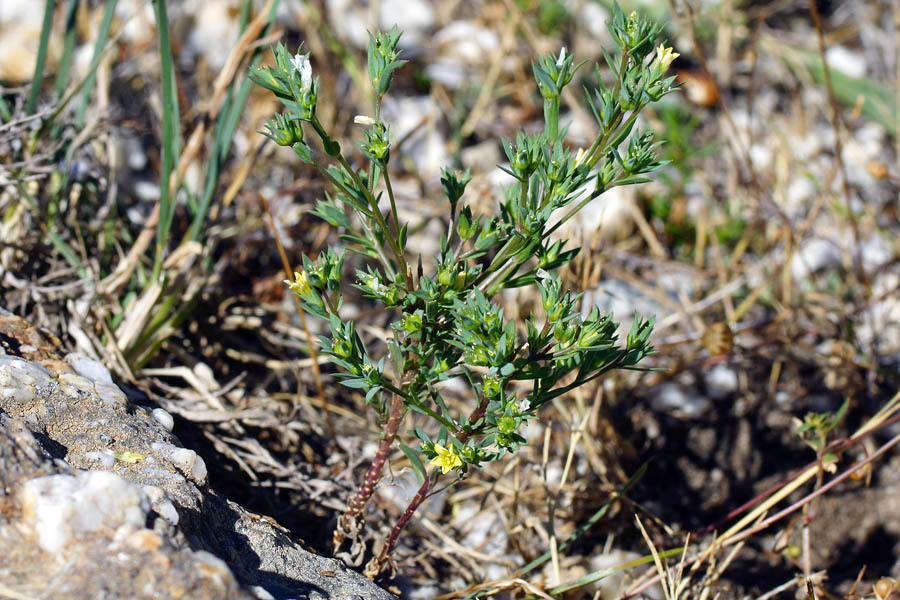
<point x="343" y="348"/>
<point x="445" y="276"/>
<point x="665" y="56"/>
<point x="466" y="227"/>
<point x="491" y="387"/>
<point x="506" y="424"/>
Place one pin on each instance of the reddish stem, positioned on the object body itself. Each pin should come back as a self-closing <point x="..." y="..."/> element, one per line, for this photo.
<point x="361" y="498"/>
<point x="377" y="564"/>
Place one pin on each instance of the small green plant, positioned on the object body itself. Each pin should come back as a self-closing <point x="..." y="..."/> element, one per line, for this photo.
<point x="447" y="324"/>
<point x="814" y="430"/>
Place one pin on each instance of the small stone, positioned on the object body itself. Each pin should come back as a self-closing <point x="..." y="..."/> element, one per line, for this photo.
<point x="721" y="381"/>
<point x="104" y="459"/>
<point x="164" y="418"/>
<point x="799" y="194"/>
<point x="413" y="17"/>
<point x="86" y="366"/>
<point x="482" y="529"/>
<point x="261" y="593"/>
<point x="79" y="382"/>
<point x="846" y="61"/>
<point x="175" y="477"/>
<point x="190" y="464"/>
<point x="672" y="396"/>
<point x="814" y="255"/>
<point x="610" y="586"/>
<point x="26" y="371"/>
<point x="185" y="460"/>
<point x="402" y="487"/>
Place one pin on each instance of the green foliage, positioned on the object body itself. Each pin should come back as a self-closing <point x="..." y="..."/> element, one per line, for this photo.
<point x="814" y="430"/>
<point x="449" y="324"/>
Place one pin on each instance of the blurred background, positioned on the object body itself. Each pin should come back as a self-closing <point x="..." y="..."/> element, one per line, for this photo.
<point x="140" y="209"/>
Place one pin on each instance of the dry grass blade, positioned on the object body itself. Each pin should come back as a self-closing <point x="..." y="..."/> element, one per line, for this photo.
<point x="289" y="274"/>
<point x="114" y="283"/>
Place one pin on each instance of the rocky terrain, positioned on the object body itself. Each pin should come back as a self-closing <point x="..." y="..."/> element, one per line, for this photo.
<point x="99" y="499"/>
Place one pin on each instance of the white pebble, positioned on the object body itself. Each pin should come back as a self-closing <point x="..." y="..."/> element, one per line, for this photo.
<point x="674" y="396"/>
<point x="86" y="366"/>
<point x="814" y="255"/>
<point x="146" y="190"/>
<point x="164" y="418"/>
<point x="190" y="464"/>
<point x="185" y="460"/>
<point x="846" y="61"/>
<point x="610" y="586"/>
<point x="161" y="503"/>
<point x="413" y="17"/>
<point x="261" y="593"/>
<point x="25" y="371"/>
<point x="799" y="195"/>
<point x="721" y="381"/>
<point x="103" y="459"/>
<point x="213" y="562"/>
<point x="176" y="477"/>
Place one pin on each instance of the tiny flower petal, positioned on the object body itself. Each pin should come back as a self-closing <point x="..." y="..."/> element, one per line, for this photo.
<point x="665" y="56"/>
<point x="447" y="458"/>
<point x="580" y="156"/>
<point x="364" y="120"/>
<point x="302" y="65"/>
<point x="562" y="57"/>
<point x="300" y="285"/>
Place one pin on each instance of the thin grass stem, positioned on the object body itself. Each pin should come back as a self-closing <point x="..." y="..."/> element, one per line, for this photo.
<point x="102" y="35"/>
<point x="40" y="63"/>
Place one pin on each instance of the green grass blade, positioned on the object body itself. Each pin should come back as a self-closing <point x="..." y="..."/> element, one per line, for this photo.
<point x="102" y="35"/>
<point x="5" y="112"/>
<point x="170" y="139"/>
<point x="66" y="252"/>
<point x="226" y="124"/>
<point x="603" y="573"/>
<point x="878" y="100"/>
<point x="65" y="61"/>
<point x="38" y="76"/>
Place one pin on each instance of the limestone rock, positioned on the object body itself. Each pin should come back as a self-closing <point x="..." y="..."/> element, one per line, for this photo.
<point x="98" y="499"/>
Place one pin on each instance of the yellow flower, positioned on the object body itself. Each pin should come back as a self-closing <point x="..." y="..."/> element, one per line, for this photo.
<point x="300" y="285"/>
<point x="665" y="56"/>
<point x="447" y="458"/>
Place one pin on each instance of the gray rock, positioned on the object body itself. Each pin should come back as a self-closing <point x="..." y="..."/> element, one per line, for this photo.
<point x="99" y="500"/>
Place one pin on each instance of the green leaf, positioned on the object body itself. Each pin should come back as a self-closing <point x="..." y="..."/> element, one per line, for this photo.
<point x="633" y="180"/>
<point x="417" y="465"/>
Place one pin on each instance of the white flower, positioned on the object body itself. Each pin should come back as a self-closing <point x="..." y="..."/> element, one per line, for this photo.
<point x="523" y="405"/>
<point x="364" y="120"/>
<point x="301" y="63"/>
<point x="562" y="57"/>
